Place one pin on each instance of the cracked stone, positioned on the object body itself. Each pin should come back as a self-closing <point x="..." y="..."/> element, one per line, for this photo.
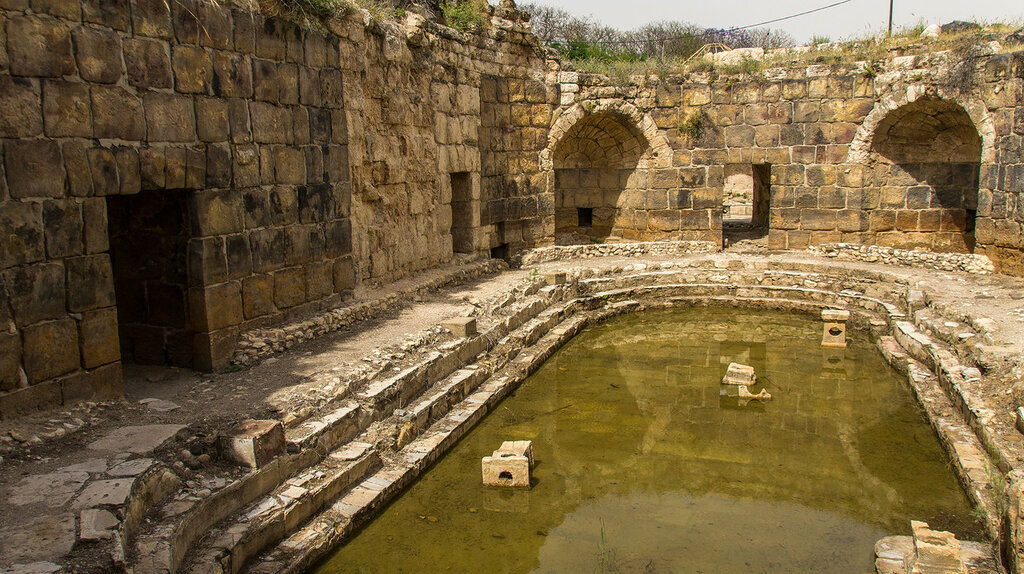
<point x="96" y="524"/>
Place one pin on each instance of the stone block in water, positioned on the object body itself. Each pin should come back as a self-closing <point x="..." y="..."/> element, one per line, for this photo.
<point x="834" y="334"/>
<point x="737" y="374"/>
<point x="509" y="465"/>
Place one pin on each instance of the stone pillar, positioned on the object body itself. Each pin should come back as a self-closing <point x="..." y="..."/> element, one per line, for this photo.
<point x="834" y="334"/>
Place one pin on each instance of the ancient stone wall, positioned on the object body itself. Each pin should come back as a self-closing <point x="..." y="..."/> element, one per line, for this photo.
<point x="177" y="174"/>
<point x="178" y="170"/>
<point x="912" y="156"/>
<point x="447" y="123"/>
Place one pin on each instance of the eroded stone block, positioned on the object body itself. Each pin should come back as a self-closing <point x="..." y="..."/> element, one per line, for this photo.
<point x="253" y="443"/>
<point x="834" y="334"/>
<point x="461" y="326"/>
<point x="509" y="465"/>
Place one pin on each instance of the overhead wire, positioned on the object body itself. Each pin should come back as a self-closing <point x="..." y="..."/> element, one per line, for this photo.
<point x="734" y="29"/>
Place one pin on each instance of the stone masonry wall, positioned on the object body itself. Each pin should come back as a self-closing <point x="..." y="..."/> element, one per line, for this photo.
<point x="240" y="115"/>
<point x="902" y="157"/>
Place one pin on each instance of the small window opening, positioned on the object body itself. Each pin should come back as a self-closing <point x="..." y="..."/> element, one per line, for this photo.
<point x="505" y="475"/>
<point x="500" y="252"/>
<point x="585" y="216"/>
<point x="835" y="331"/>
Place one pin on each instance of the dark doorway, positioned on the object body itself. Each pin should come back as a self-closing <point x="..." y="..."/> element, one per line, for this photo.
<point x="747" y="203"/>
<point x="462" y="212"/>
<point x="148" y="250"/>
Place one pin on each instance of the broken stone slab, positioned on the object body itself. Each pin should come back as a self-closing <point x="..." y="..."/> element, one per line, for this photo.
<point x="136" y="439"/>
<point x="131" y="467"/>
<point x="739" y="374"/>
<point x="33" y="568"/>
<point x="253" y="443"/>
<point x="112" y="492"/>
<point x="935" y="552"/>
<point x="96" y="524"/>
<point x="509" y="465"/>
<point x="93" y="465"/>
<point x="461" y="326"/>
<point x="52" y="489"/>
<point x="160" y="405"/>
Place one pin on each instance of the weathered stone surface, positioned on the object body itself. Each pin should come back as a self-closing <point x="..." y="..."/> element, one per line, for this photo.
<point x="36" y="292"/>
<point x="136" y="439"/>
<point x="46" y="538"/>
<point x="117" y="114"/>
<point x="19" y="107"/>
<point x="96" y="524"/>
<point x="51" y="349"/>
<point x="110" y="13"/>
<point x="169" y="118"/>
<point x="34" y="168"/>
<point x="217" y="212"/>
<point x="21" y="230"/>
<point x="217" y="306"/>
<point x="10" y="361"/>
<point x="99" y="338"/>
<point x="113" y="492"/>
<point x="148" y="63"/>
<point x="461" y="326"/>
<point x="90" y="282"/>
<point x="62" y="221"/>
<point x="289" y="287"/>
<point x="103" y="171"/>
<point x="258" y="296"/>
<point x="66" y="109"/>
<point x="152" y="18"/>
<point x="98" y="53"/>
<point x="39" y="46"/>
<point x="509" y="466"/>
<point x="193" y="69"/>
<point x="253" y="443"/>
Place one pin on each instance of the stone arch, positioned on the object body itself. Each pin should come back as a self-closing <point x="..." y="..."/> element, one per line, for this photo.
<point x="925" y="154"/>
<point x="600" y="155"/>
<point x="860" y="147"/>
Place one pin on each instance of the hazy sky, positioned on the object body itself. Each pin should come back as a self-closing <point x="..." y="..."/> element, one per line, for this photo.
<point x="856" y="18"/>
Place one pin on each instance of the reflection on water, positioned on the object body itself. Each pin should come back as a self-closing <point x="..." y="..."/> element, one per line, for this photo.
<point x="643" y="467"/>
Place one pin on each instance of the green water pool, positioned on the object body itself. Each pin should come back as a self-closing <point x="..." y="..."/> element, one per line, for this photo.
<point x="642" y="465"/>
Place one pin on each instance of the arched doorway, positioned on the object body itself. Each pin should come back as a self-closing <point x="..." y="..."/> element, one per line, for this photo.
<point x="927" y="157"/>
<point x="598" y="186"/>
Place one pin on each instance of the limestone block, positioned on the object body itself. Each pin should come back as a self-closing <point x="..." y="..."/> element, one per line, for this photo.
<point x="193" y="69"/>
<point x="99" y="338"/>
<point x="117" y="114"/>
<point x="90" y="282"/>
<point x="66" y="110"/>
<point x="39" y="47"/>
<point x="169" y="118"/>
<point x="98" y="53"/>
<point x="554" y="278"/>
<point x="21" y="226"/>
<point x="935" y="552"/>
<point x="151" y="18"/>
<point x="36" y="292"/>
<point x="96" y="524"/>
<point x="51" y="349"/>
<point x="113" y="492"/>
<point x="834" y="333"/>
<point x="253" y="443"/>
<point x="509" y="465"/>
<point x="34" y="168"/>
<point x="148" y="63"/>
<point x="461" y="326"/>
<point x="737" y="374"/>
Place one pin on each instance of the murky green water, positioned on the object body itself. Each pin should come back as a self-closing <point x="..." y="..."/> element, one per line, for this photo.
<point x="643" y="467"/>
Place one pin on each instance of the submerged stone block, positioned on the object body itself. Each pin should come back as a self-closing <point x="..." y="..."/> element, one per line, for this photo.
<point x="737" y="374"/>
<point x="253" y="443"/>
<point x="834" y="334"/>
<point x="509" y="465"/>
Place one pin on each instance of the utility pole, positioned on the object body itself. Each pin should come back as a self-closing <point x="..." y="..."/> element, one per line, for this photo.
<point x="889" y="35"/>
